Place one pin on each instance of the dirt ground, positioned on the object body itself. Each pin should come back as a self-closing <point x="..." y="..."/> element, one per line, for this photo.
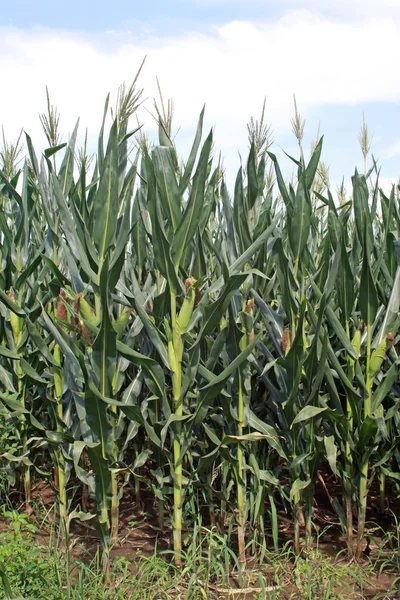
<point x="139" y="532"/>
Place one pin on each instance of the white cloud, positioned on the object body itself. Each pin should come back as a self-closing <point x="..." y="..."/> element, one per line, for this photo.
<point x="349" y="9"/>
<point x="321" y="60"/>
<point x="358" y="9"/>
<point x="393" y="150"/>
<point x="386" y="183"/>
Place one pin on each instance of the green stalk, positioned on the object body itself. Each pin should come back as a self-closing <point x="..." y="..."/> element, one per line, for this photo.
<point x="382" y="482"/>
<point x="225" y="471"/>
<point x="179" y="323"/>
<point x="17" y="329"/>
<point x="210" y="499"/>
<point x="297" y="498"/>
<point x="137" y="482"/>
<point x="297" y="519"/>
<point x="161" y="514"/>
<point x="178" y="410"/>
<point x="105" y="558"/>
<point x="114" y="482"/>
<point x="241" y="491"/>
<point x="248" y="331"/>
<point x="62" y="492"/>
<point x="309" y="495"/>
<point x="159" y="462"/>
<point x="114" y="508"/>
<point x="26" y="473"/>
<point x="364" y="467"/>
<point x="348" y="475"/>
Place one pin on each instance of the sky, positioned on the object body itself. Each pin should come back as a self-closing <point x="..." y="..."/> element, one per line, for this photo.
<point x="339" y="58"/>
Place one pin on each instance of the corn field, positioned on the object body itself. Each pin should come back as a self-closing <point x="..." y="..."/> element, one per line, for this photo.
<point x="217" y="350"/>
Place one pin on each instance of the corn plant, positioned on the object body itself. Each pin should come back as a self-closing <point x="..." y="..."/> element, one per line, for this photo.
<point x="233" y="343"/>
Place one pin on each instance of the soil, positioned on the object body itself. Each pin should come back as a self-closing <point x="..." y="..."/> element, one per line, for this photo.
<point x="139" y="532"/>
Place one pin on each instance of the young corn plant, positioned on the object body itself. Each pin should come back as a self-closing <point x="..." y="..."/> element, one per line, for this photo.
<point x="232" y="346"/>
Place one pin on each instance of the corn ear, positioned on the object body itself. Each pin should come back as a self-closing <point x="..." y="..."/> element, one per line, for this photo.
<point x="173" y="361"/>
<point x="249" y="305"/>
<point x="286" y="340"/>
<point x="122" y="321"/>
<point x="379" y="354"/>
<point x="85" y="333"/>
<point x="88" y="313"/>
<point x="186" y="311"/>
<point x="356" y="343"/>
<point x="179" y="349"/>
<point x="17" y="322"/>
<point x="223" y="323"/>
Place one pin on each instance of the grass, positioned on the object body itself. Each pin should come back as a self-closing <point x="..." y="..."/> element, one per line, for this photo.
<point x="30" y="569"/>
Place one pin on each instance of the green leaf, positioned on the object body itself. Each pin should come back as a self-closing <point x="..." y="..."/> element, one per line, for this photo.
<point x="100" y="145"/>
<point x="65" y="176"/>
<point x="241" y="213"/>
<point x="31" y="372"/>
<point x="297" y="486"/>
<point x="54" y="149"/>
<point x="161" y="244"/>
<point x="34" y="262"/>
<point x="184" y="182"/>
<point x="361" y="208"/>
<point x="154" y="371"/>
<point x="106" y="201"/>
<point x="71" y="228"/>
<point x="96" y="415"/>
<point x="32" y="154"/>
<point x="273" y="438"/>
<point x="104" y="350"/>
<point x="195" y="206"/>
<point x="345" y="285"/>
<point x="138" y="301"/>
<point x="306" y="413"/>
<point x="335" y="324"/>
<point x="213" y="312"/>
<point x="281" y="183"/>
<point x="312" y="166"/>
<point x="331" y="452"/>
<point x="13" y="306"/>
<point x="102" y="476"/>
<point x="385" y="386"/>
<point x="300" y="221"/>
<point x="6" y="584"/>
<point x="8" y="353"/>
<point x="212" y="389"/>
<point x="167" y="184"/>
<point x="252" y="185"/>
<point x="367" y="431"/>
<point x="39" y="342"/>
<point x="392" y="307"/>
<point x="368" y="297"/>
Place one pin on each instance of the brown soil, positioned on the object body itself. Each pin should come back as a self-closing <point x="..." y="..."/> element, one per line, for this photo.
<point x="139" y="531"/>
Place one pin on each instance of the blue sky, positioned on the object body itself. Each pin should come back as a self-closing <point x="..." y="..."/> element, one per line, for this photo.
<point x="157" y="15"/>
<point x="340" y="59"/>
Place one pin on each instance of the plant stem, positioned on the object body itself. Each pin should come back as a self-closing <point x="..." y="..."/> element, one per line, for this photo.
<point x="382" y="482"/>
<point x="177" y="407"/>
<point x="26" y="473"/>
<point x="348" y="487"/>
<point x="309" y="506"/>
<point x="114" y="508"/>
<point x="296" y="534"/>
<point x="364" y="467"/>
<point x="241" y="491"/>
<point x="60" y="461"/>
